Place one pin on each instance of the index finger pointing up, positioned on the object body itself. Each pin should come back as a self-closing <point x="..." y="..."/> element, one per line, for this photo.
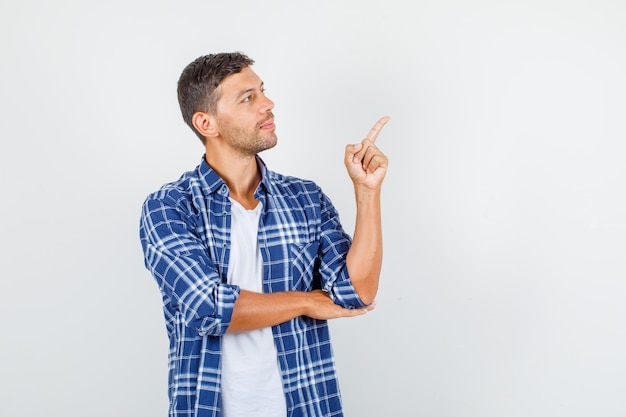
<point x="373" y="134"/>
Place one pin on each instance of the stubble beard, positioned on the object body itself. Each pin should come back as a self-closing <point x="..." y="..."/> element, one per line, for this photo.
<point x="255" y="143"/>
<point x="251" y="142"/>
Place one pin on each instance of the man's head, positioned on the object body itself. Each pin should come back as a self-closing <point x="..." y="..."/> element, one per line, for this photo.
<point x="198" y="85"/>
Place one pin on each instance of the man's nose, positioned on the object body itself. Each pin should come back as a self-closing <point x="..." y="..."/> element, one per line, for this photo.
<point x="267" y="105"/>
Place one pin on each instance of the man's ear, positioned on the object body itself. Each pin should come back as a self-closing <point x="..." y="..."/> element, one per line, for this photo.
<point x="205" y="124"/>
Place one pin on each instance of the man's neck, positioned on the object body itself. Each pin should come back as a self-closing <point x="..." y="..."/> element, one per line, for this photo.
<point x="241" y="175"/>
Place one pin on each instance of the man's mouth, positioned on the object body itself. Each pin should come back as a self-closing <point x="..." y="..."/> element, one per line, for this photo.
<point x="268" y="124"/>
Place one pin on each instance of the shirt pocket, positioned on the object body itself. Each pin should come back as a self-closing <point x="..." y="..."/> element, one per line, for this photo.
<point x="305" y="266"/>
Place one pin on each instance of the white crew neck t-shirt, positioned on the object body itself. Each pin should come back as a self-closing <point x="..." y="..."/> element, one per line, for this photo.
<point x="251" y="381"/>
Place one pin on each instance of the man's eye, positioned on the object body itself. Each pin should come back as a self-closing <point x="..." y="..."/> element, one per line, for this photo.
<point x="247" y="98"/>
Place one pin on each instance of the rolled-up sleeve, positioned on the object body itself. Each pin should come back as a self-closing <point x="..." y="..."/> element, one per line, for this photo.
<point x="179" y="262"/>
<point x="334" y="246"/>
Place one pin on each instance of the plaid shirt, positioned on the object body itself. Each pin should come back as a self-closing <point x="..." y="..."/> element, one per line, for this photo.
<point x="185" y="235"/>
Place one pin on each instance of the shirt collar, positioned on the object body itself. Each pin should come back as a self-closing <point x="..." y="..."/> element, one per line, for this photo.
<point x="212" y="182"/>
<point x="265" y="178"/>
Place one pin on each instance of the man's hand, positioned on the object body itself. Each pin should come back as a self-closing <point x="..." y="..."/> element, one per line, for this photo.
<point x="365" y="163"/>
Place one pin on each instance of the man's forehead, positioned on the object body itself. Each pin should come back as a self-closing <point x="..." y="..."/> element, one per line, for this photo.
<point x="241" y="81"/>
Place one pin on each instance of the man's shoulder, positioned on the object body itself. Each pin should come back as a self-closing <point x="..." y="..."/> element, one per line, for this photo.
<point x="182" y="188"/>
<point x="291" y="184"/>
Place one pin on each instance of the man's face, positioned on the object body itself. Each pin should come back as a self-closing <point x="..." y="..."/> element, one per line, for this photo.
<point x="244" y="115"/>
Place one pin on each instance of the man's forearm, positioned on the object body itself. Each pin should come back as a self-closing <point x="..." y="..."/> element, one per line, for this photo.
<point x="364" y="259"/>
<point x="255" y="310"/>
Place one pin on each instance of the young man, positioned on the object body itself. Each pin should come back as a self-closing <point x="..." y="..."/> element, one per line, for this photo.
<point x="251" y="263"/>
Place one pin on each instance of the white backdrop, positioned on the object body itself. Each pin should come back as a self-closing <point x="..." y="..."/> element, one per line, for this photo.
<point x="504" y="276"/>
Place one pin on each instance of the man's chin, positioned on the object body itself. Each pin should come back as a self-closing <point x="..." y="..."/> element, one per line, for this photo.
<point x="268" y="144"/>
<point x="272" y="141"/>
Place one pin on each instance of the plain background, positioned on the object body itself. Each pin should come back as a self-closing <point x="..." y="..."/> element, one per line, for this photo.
<point x="504" y="277"/>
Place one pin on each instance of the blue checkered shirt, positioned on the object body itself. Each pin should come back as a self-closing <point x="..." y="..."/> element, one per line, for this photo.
<point x="185" y="235"/>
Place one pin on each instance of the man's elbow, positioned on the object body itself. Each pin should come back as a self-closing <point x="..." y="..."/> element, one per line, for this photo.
<point x="367" y="293"/>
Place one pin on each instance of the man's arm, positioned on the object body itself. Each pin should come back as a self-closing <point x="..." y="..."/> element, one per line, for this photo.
<point x="367" y="167"/>
<point x="179" y="262"/>
<point x="255" y="310"/>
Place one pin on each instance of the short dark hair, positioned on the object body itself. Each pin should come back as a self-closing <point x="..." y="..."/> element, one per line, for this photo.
<point x="198" y="83"/>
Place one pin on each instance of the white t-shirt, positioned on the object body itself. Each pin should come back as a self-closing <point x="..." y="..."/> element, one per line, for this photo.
<point x="251" y="381"/>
